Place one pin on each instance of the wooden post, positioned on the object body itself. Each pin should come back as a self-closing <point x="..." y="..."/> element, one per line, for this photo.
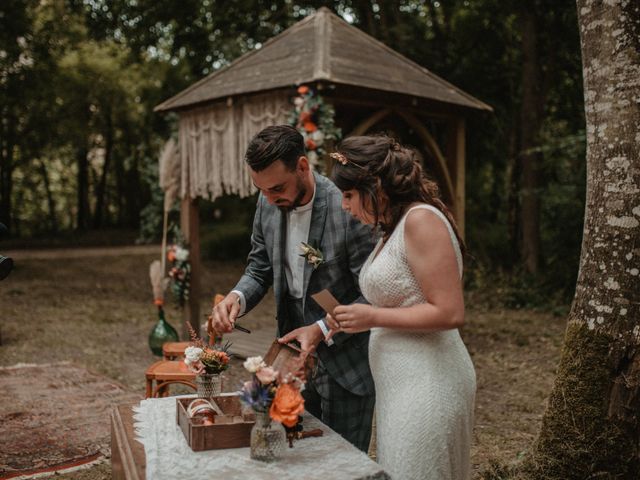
<point x="190" y="226"/>
<point x="456" y="163"/>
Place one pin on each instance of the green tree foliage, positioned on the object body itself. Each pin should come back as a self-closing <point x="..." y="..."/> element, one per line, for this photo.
<point x="79" y="80"/>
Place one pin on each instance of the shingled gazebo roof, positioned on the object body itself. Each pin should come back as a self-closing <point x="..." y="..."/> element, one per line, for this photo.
<point x="322" y="47"/>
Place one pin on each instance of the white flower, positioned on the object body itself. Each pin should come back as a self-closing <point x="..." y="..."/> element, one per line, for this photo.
<point x="318" y="137"/>
<point x="253" y="364"/>
<point x="267" y="375"/>
<point x="192" y="355"/>
<point x="305" y="248"/>
<point x="182" y="254"/>
<point x="313" y="157"/>
<point x="298" y="101"/>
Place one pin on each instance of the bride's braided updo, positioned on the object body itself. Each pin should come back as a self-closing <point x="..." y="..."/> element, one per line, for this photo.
<point x="365" y="163"/>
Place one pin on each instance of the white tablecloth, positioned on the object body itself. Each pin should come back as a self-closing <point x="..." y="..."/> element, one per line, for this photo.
<point x="169" y="456"/>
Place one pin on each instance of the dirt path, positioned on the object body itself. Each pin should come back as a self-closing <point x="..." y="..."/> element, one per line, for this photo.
<point x="53" y="253"/>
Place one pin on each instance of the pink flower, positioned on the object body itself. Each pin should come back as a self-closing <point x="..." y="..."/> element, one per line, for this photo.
<point x="266" y="375"/>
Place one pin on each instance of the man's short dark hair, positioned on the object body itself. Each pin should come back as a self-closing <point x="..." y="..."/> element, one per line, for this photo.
<point x="278" y="142"/>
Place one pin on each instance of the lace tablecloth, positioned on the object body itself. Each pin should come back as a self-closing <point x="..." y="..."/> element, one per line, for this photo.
<point x="169" y="456"/>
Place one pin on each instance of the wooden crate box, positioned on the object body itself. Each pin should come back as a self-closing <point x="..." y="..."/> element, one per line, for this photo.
<point x="230" y="430"/>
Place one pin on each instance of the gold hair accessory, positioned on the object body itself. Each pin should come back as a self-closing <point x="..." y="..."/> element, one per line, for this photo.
<point x="343" y="160"/>
<point x="338" y="157"/>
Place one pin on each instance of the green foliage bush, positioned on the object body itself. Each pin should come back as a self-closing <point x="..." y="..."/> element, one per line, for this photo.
<point x="226" y="224"/>
<point x="152" y="213"/>
<point x="225" y="241"/>
<point x="95" y="74"/>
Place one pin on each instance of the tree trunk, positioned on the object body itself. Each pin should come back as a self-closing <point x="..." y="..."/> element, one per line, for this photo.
<point x="512" y="186"/>
<point x="53" y="220"/>
<point x="529" y="127"/>
<point x="591" y="428"/>
<point x="120" y="179"/>
<point x="6" y="170"/>
<point x="133" y="187"/>
<point x="102" y="183"/>
<point x="364" y="13"/>
<point x="82" y="216"/>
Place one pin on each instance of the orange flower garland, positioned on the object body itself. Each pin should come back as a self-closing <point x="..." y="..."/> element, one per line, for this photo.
<point x="314" y="119"/>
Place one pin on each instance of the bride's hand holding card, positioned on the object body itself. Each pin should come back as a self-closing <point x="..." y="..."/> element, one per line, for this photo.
<point x="328" y="303"/>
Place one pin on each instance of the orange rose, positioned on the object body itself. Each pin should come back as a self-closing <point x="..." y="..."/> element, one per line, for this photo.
<point x="287" y="405"/>
<point x="311" y="145"/>
<point x="171" y="255"/>
<point x="310" y="127"/>
<point x="158" y="302"/>
<point x="303" y="89"/>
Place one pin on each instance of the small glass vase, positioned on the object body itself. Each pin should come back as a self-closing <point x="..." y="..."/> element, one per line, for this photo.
<point x="268" y="439"/>
<point x="161" y="333"/>
<point x="209" y="384"/>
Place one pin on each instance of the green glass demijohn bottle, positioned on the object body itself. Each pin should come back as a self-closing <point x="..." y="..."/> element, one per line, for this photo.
<point x="161" y="333"/>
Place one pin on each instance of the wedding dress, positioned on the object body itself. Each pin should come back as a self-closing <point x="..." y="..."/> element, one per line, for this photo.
<point x="425" y="382"/>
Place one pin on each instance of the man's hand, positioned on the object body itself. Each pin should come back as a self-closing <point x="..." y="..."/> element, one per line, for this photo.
<point x="308" y="337"/>
<point x="224" y="314"/>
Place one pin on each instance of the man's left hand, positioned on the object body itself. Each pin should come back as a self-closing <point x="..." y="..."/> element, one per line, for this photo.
<point x="308" y="337"/>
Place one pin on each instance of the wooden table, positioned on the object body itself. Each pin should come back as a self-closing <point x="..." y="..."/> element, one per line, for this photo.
<point x="127" y="455"/>
<point x="128" y="458"/>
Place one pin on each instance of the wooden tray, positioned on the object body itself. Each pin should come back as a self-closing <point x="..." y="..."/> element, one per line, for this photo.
<point x="230" y="430"/>
<point x="233" y="428"/>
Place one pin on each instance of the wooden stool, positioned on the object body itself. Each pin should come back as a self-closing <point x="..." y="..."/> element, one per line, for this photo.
<point x="164" y="373"/>
<point x="174" y="350"/>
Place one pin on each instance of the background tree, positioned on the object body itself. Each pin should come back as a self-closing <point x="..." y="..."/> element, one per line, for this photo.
<point x="591" y="428"/>
<point x="16" y="78"/>
<point x="78" y="115"/>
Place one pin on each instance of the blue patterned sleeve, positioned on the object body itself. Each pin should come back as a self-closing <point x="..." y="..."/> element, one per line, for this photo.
<point x="258" y="275"/>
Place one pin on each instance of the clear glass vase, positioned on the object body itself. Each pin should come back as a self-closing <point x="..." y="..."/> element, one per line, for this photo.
<point x="209" y="385"/>
<point x="268" y="439"/>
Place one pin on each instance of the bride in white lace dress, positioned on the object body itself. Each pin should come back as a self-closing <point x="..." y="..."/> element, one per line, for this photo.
<point x="424" y="378"/>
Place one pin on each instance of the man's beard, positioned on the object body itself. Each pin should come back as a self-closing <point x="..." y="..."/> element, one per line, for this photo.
<point x="302" y="191"/>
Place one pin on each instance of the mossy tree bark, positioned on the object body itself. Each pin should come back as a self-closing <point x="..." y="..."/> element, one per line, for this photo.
<point x="591" y="428"/>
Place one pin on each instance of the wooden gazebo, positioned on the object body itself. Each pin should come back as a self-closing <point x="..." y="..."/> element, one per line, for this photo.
<point x="372" y="88"/>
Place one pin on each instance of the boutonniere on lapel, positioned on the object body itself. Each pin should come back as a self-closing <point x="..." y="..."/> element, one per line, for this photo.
<point x="313" y="255"/>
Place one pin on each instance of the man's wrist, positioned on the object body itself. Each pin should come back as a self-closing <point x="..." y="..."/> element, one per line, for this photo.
<point x="241" y="301"/>
<point x="325" y="331"/>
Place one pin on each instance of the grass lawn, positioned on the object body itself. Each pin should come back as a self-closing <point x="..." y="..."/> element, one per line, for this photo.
<point x="97" y="312"/>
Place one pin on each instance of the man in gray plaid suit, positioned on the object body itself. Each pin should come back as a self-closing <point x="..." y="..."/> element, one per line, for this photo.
<point x="296" y="205"/>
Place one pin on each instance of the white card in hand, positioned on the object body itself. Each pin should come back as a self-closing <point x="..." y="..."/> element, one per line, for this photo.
<point x="327" y="301"/>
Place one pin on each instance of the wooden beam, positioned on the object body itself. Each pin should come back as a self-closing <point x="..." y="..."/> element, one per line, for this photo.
<point x="432" y="146"/>
<point x="374" y="99"/>
<point x="460" y="157"/>
<point x="190" y="226"/>
<point x="369" y="122"/>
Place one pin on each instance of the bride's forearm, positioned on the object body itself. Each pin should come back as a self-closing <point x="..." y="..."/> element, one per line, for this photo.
<point x="424" y="317"/>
